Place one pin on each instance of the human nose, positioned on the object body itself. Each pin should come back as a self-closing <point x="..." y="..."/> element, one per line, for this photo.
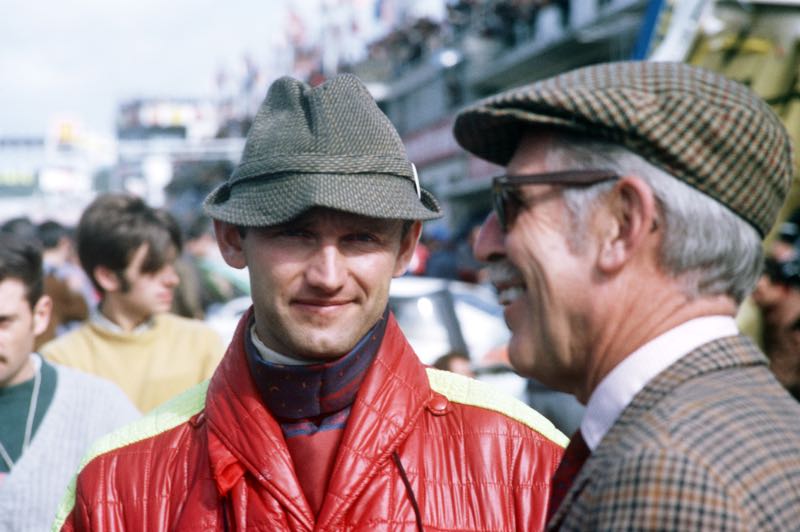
<point x="326" y="270"/>
<point x="489" y="246"/>
<point x="169" y="276"/>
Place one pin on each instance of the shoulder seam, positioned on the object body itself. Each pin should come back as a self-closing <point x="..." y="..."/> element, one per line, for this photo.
<point x="166" y="417"/>
<point x="463" y="390"/>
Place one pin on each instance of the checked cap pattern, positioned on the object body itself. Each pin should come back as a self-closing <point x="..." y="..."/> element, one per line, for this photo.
<point x="712" y="133"/>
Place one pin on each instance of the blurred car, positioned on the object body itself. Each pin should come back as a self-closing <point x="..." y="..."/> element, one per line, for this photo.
<point x="439" y="316"/>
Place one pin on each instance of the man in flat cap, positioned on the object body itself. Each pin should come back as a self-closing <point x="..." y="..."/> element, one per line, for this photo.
<point x="625" y="233"/>
<point x="320" y="416"/>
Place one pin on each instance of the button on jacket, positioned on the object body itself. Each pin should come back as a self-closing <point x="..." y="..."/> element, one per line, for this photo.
<point x="422" y="449"/>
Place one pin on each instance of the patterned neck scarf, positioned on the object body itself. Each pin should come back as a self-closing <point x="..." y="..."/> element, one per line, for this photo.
<point x="310" y="392"/>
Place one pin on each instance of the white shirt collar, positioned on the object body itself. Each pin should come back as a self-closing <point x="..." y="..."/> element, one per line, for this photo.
<point x="270" y="355"/>
<point x="100" y="319"/>
<point x="629" y="377"/>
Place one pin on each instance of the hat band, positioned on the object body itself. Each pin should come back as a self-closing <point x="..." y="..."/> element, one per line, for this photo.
<point x="314" y="163"/>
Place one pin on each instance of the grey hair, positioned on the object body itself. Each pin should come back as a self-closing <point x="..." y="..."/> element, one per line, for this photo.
<point x="706" y="247"/>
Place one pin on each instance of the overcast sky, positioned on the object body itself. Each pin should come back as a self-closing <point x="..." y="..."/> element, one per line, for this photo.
<point x="78" y="59"/>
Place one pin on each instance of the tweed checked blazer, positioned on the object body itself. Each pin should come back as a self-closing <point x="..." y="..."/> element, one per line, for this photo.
<point x="711" y="443"/>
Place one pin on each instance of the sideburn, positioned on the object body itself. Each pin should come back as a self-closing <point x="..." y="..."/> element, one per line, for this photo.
<point x="124" y="283"/>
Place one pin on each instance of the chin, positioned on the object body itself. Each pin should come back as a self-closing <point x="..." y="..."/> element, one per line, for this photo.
<point x="321" y="350"/>
<point x="521" y="362"/>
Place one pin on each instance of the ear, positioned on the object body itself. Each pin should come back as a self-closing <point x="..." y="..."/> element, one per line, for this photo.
<point x="407" y="246"/>
<point x="631" y="224"/>
<point x="41" y="314"/>
<point x="230" y="244"/>
<point x="107" y="279"/>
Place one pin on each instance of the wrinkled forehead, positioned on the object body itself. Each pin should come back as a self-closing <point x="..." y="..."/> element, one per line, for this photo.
<point x="535" y="152"/>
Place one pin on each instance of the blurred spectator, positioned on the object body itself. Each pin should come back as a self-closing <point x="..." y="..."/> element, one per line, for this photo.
<point x="456" y="362"/>
<point x="49" y="414"/>
<point x="129" y="249"/>
<point x="205" y="278"/>
<point x="501" y="22"/>
<point x="21" y="226"/>
<point x="217" y="282"/>
<point x="469" y="268"/>
<point x="442" y="261"/>
<point x="187" y="301"/>
<point x="420" y="259"/>
<point x="459" y="16"/>
<point x="508" y="22"/>
<point x="60" y="258"/>
<point x="777" y="295"/>
<point x="64" y="281"/>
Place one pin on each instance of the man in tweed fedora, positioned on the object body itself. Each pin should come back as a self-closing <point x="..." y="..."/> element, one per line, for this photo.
<point x="626" y="232"/>
<point x="320" y="416"/>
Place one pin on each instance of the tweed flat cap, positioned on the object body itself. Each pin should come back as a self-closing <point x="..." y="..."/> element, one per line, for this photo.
<point x="327" y="146"/>
<point x="712" y="133"/>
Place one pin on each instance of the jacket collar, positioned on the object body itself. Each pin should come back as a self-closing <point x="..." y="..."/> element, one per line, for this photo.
<point x="293" y="392"/>
<point x="717" y="355"/>
<point x="245" y="438"/>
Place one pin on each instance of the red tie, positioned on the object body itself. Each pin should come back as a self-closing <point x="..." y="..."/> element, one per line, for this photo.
<point x="575" y="455"/>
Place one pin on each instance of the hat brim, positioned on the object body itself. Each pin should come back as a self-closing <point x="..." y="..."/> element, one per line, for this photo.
<point x="494" y="134"/>
<point x="264" y="201"/>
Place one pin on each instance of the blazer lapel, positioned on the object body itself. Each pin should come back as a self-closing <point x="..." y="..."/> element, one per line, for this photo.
<point x="580" y="483"/>
<point x="717" y="355"/>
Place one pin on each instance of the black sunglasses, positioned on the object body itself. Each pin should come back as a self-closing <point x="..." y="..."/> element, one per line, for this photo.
<point x="507" y="202"/>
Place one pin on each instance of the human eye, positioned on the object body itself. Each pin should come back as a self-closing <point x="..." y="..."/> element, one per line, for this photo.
<point x="289" y="232"/>
<point x="362" y="237"/>
<point x="517" y="199"/>
<point x="295" y="232"/>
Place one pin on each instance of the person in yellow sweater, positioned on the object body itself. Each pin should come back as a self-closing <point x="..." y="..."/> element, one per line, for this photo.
<point x="128" y="249"/>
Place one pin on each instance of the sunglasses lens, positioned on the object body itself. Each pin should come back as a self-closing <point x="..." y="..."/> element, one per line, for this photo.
<point x="499" y="204"/>
<point x="512" y="205"/>
<point x="506" y="205"/>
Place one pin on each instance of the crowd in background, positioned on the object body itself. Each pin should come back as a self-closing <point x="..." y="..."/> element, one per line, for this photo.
<point x="506" y="23"/>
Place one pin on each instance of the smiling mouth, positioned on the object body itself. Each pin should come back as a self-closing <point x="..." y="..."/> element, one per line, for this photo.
<point x="508" y="294"/>
<point x="507" y="282"/>
<point x="321" y="304"/>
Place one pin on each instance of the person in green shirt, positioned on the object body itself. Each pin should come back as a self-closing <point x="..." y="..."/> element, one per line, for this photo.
<point x="49" y="415"/>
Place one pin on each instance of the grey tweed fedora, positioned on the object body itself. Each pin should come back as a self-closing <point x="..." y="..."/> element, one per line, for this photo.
<point x="327" y="146"/>
<point x="712" y="133"/>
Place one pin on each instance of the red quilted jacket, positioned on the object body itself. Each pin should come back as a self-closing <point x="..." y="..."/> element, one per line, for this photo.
<point x="411" y="458"/>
